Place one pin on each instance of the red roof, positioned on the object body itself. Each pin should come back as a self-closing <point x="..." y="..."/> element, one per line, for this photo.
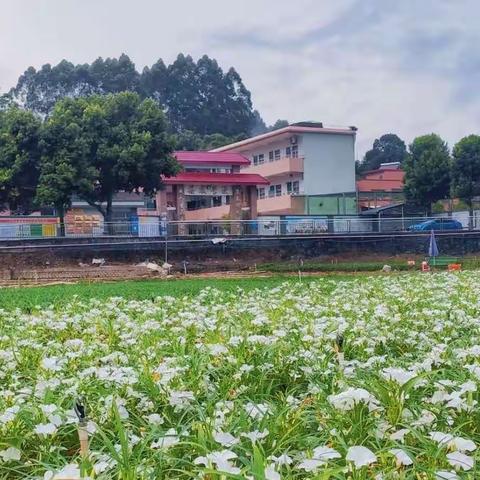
<point x="224" y="158"/>
<point x="217" y="178"/>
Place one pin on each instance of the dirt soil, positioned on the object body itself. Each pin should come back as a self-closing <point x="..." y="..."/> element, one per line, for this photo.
<point x="47" y="268"/>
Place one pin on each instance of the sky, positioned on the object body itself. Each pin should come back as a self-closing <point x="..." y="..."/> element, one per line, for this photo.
<point x="409" y="67"/>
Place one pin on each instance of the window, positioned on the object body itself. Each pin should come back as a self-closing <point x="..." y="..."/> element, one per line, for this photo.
<point x="259" y="159"/>
<point x="270" y="156"/>
<point x="277" y="154"/>
<point x="278" y="190"/>
<point x="227" y="199"/>
<point x="261" y="192"/>
<point x="293" y="187"/>
<point x="271" y="191"/>
<point x="295" y="151"/>
<point x="217" y="201"/>
<point x="288" y="152"/>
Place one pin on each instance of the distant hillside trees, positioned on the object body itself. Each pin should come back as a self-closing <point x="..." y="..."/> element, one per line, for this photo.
<point x="196" y="96"/>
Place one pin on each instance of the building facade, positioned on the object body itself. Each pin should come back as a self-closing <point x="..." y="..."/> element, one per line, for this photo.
<point x="381" y="187"/>
<point x="301" y="162"/>
<point x="211" y="186"/>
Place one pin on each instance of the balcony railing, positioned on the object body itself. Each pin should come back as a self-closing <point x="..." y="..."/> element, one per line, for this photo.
<point x="282" y="205"/>
<point x="283" y="166"/>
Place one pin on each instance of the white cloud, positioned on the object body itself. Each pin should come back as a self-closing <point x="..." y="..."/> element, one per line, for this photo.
<point x="407" y="67"/>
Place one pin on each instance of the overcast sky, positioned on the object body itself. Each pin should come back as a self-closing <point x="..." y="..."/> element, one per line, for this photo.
<point x="405" y="66"/>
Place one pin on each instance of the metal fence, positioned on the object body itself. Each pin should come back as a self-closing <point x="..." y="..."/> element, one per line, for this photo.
<point x="156" y="227"/>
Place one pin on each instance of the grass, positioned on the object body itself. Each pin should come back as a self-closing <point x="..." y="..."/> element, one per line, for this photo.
<point x="313" y="266"/>
<point x="31" y="298"/>
<point x="468" y="263"/>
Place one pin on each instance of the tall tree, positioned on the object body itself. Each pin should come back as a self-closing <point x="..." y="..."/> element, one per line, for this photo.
<point x="197" y="96"/>
<point x="258" y="125"/>
<point x="19" y="159"/>
<point x="64" y="166"/>
<point x="202" y="98"/>
<point x="40" y="90"/>
<point x="154" y="81"/>
<point x="388" y="148"/>
<point x="466" y="170"/>
<point x="121" y="145"/>
<point x="427" y="171"/>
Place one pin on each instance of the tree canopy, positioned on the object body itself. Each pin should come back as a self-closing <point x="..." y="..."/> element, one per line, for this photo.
<point x="386" y="149"/>
<point x="466" y="169"/>
<point x="427" y="171"/>
<point x="19" y="159"/>
<point x="106" y="144"/>
<point x="196" y="96"/>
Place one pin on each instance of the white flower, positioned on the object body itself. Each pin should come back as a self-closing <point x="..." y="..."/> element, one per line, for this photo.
<point x="426" y="418"/>
<point x="10" y="453"/>
<point x="460" y="460"/>
<point x="399" y="435"/>
<point x="155" y="419"/>
<point x="45" y="429"/>
<point x="51" y="363"/>
<point x="441" y="438"/>
<point x="257" y="410"/>
<point x="360" y="456"/>
<point x="325" y="453"/>
<point x="463" y="444"/>
<point x="48" y="409"/>
<point x="181" y="398"/>
<point x="70" y="471"/>
<point x="271" y="473"/>
<point x="255" y="435"/>
<point x="352" y="396"/>
<point x="225" y="439"/>
<point x="281" y="460"/>
<point x="399" y="375"/>
<point x="221" y="460"/>
<point x="168" y="440"/>
<point x="442" y="475"/>
<point x="402" y="457"/>
<point x="310" y="464"/>
<point x="320" y="457"/>
<point x="217" y="349"/>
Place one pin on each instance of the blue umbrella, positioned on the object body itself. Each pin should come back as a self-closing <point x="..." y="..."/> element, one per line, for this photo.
<point x="432" y="248"/>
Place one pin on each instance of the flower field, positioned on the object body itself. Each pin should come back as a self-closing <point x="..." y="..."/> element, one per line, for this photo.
<point x="371" y="378"/>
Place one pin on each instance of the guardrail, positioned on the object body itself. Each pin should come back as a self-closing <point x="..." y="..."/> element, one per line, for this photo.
<point x="156" y="227"/>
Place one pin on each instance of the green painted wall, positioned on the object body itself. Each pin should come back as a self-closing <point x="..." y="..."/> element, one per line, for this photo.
<point x="330" y="205"/>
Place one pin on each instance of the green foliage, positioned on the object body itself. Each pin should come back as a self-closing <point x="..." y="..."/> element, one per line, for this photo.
<point x="316" y="266"/>
<point x="427" y="171"/>
<point x="197" y="96"/>
<point x="189" y="140"/>
<point x="30" y="298"/>
<point x="19" y="159"/>
<point x="41" y="90"/>
<point x="388" y="148"/>
<point x="107" y="144"/>
<point x="466" y="169"/>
